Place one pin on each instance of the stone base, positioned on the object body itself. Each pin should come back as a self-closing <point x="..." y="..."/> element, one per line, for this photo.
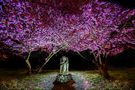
<point x="64" y="86"/>
<point x="64" y="79"/>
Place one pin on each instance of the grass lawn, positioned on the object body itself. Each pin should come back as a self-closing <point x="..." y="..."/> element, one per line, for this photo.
<point x="123" y="79"/>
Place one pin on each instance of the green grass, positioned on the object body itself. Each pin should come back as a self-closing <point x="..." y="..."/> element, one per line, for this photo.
<point x="123" y="79"/>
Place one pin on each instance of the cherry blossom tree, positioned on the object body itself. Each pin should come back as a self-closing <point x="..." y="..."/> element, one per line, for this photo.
<point x="101" y="27"/>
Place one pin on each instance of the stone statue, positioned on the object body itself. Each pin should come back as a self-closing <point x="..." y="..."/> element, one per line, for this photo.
<point x="64" y="65"/>
<point x="64" y="77"/>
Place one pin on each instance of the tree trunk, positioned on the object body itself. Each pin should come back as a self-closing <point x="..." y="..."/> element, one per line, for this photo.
<point x="103" y="69"/>
<point x="28" y="63"/>
<point x="29" y="67"/>
<point x="101" y="62"/>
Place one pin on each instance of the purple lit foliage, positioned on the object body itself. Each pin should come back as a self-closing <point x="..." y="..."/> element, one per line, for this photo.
<point x="101" y="26"/>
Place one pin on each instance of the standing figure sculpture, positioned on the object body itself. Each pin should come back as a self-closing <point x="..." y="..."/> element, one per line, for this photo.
<point x="64" y="65"/>
<point x="64" y="77"/>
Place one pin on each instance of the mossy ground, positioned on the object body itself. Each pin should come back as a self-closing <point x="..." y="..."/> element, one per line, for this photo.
<point x="123" y="79"/>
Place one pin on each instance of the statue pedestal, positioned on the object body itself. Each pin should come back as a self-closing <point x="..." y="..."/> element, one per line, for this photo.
<point x="64" y="82"/>
<point x="61" y="78"/>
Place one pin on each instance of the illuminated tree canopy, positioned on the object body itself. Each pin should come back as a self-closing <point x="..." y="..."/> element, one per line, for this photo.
<point x="96" y="25"/>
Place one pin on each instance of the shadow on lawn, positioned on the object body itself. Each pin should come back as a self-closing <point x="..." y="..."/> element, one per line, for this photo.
<point x="67" y="86"/>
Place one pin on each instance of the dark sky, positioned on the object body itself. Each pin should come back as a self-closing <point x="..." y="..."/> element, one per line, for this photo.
<point x="125" y="3"/>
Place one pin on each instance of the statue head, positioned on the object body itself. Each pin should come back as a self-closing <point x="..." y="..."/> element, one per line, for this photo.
<point x="64" y="58"/>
